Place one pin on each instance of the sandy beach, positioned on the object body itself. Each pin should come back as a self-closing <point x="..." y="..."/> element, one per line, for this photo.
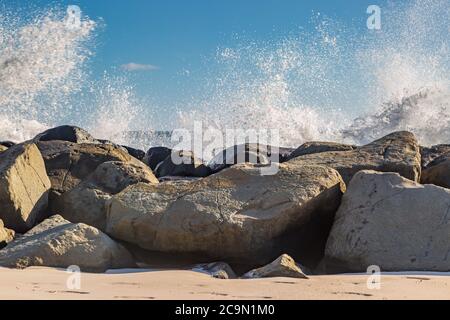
<point x="50" y="284"/>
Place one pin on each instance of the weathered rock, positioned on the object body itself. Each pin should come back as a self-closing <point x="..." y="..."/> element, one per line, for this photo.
<point x="188" y="166"/>
<point x="66" y="133"/>
<point x="394" y="223"/>
<point x="6" y="235"/>
<point x="86" y="202"/>
<point x="432" y="153"/>
<point x="437" y="172"/>
<point x="219" y="270"/>
<point x="68" y="163"/>
<point x="319" y="147"/>
<point x="250" y="152"/>
<point x="398" y="152"/>
<point x="24" y="187"/>
<point x="237" y="215"/>
<point x="284" y="267"/>
<point x="58" y="243"/>
<point x="155" y="156"/>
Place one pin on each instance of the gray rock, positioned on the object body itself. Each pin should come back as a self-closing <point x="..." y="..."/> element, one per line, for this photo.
<point x="155" y="156"/>
<point x="398" y="152"/>
<point x="188" y="166"/>
<point x="394" y="223"/>
<point x="86" y="202"/>
<point x="24" y="187"/>
<point x="284" y="267"/>
<point x="66" y="133"/>
<point x="236" y="215"/>
<point x="58" y="243"/>
<point x="432" y="153"/>
<point x="319" y="147"/>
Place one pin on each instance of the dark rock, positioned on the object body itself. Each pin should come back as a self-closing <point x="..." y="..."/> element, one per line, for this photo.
<point x="66" y="133"/>
<point x="189" y="166"/>
<point x="155" y="156"/>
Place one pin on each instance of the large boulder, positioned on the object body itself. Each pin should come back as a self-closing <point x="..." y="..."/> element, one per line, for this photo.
<point x="69" y="163"/>
<point x="394" y="223"/>
<point x="398" y="152"/>
<point x="237" y="215"/>
<point x="182" y="164"/>
<point x="86" y="202"/>
<point x="437" y="172"/>
<point x="284" y="267"/>
<point x="58" y="243"/>
<point x="318" y="147"/>
<point x="6" y="235"/>
<point x="66" y="133"/>
<point x="24" y="187"/>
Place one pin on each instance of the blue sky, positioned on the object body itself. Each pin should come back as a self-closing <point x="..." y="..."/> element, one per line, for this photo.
<point x="176" y="36"/>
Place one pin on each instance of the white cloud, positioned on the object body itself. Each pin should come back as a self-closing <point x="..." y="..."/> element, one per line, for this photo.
<point x="138" y="67"/>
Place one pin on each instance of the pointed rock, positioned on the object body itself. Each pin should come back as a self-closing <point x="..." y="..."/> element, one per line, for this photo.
<point x="284" y="267"/>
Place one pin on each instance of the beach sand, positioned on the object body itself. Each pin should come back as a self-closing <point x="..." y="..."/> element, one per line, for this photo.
<point x="47" y="283"/>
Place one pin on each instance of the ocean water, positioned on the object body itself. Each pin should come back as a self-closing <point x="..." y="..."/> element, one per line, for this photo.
<point x="333" y="83"/>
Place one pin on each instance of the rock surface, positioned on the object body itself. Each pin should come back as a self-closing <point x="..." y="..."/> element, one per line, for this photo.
<point x="66" y="133"/>
<point x="219" y="270"/>
<point x="3" y="148"/>
<point x="58" y="243"/>
<point x="398" y="152"/>
<point x="236" y="215"/>
<point x="285" y="267"/>
<point x="188" y="166"/>
<point x="24" y="187"/>
<point x="430" y="154"/>
<point x="68" y="163"/>
<point x="319" y="147"/>
<point x="86" y="202"/>
<point x="6" y="235"/>
<point x="394" y="223"/>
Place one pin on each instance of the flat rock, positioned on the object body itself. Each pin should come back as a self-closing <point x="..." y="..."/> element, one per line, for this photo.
<point x="24" y="187"/>
<point x="398" y="152"/>
<point x="237" y="215"/>
<point x="86" y="202"/>
<point x="394" y="223"/>
<point x="284" y="267"/>
<point x="58" y="243"/>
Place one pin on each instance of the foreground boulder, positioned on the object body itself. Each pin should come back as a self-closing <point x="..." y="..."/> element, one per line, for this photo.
<point x="318" y="147"/>
<point x="284" y="267"/>
<point x="398" y="152"/>
<point x="86" y="202"/>
<point x="66" y="133"/>
<point x="236" y="215"/>
<point x="394" y="223"/>
<point x="68" y="163"/>
<point x="186" y="165"/>
<point x="6" y="235"/>
<point x="58" y="243"/>
<point x="24" y="187"/>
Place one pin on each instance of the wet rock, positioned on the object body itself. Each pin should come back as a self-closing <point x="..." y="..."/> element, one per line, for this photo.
<point x="155" y="156"/>
<point x="66" y="133"/>
<point x="182" y="164"/>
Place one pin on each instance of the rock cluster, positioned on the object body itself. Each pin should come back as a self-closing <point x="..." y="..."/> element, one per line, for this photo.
<point x="67" y="199"/>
